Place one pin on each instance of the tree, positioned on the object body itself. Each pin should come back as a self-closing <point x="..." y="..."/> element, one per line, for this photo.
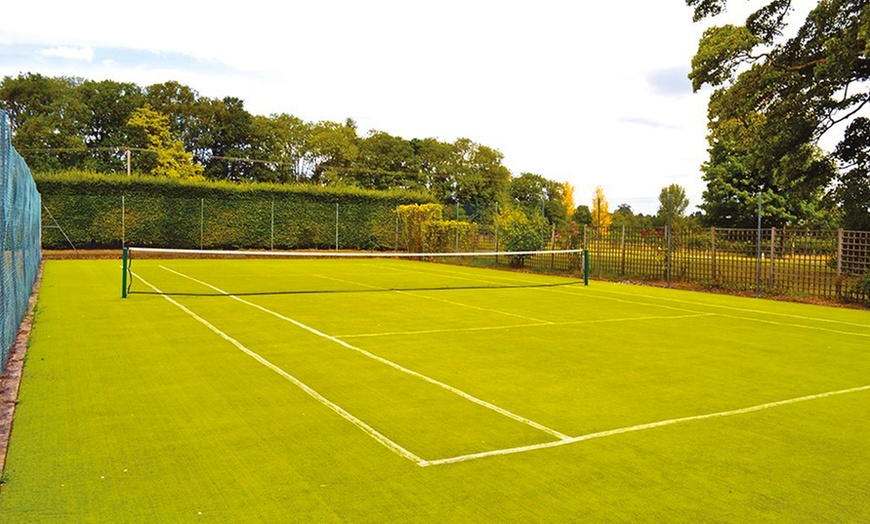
<point x="775" y="98"/>
<point x="601" y="218"/>
<point x="334" y="150"/>
<point x="672" y="204"/>
<point x="582" y="216"/>
<point x="386" y="162"/>
<point x="227" y="133"/>
<point x="170" y="159"/>
<point x="283" y="144"/>
<point x="44" y="117"/>
<point x="480" y="178"/>
<point x="568" y="198"/>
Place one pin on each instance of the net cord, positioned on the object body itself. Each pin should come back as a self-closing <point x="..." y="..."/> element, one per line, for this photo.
<point x="332" y="254"/>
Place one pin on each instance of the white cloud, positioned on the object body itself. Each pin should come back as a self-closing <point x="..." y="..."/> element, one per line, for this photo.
<point x="85" y="53"/>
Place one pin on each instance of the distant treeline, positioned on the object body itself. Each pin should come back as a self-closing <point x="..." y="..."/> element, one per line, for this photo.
<point x="62" y="123"/>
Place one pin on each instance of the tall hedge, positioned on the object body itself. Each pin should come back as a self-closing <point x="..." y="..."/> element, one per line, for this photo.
<point x="103" y="211"/>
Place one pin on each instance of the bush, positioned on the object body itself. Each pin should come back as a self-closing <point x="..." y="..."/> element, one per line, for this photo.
<point x="518" y="232"/>
<point x="442" y="236"/>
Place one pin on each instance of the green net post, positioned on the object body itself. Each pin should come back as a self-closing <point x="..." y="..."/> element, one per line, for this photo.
<point x="124" y="261"/>
<point x="585" y="267"/>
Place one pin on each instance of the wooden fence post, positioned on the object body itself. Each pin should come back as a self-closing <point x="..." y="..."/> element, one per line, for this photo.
<point x="713" y="254"/>
<point x="770" y="277"/>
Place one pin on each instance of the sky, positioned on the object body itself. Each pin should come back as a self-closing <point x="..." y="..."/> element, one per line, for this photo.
<point x="593" y="93"/>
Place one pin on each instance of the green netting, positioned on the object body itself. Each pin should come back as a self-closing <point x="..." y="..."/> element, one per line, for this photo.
<point x="20" y="228"/>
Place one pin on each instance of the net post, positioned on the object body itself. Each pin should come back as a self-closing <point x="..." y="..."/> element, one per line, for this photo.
<point x="585" y="267"/>
<point x="124" y="264"/>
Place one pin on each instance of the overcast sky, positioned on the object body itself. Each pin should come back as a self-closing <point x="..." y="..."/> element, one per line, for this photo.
<point x="594" y="93"/>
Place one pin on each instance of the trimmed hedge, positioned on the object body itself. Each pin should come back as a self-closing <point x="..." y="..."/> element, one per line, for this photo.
<point x="108" y="211"/>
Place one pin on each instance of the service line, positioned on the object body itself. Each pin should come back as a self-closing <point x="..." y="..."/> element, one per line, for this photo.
<point x="459" y="392"/>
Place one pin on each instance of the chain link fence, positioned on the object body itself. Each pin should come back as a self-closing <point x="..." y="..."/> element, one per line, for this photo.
<point x="19" y="239"/>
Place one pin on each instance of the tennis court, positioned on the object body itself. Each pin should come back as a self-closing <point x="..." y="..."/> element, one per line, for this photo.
<point x="372" y="390"/>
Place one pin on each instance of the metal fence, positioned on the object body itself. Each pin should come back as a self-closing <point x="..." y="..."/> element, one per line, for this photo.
<point x="19" y="239"/>
<point x="800" y="264"/>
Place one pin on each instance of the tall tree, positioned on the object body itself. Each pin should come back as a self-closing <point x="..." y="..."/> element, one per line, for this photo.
<point x="601" y="217"/>
<point x="672" y="204"/>
<point x="168" y="157"/>
<point x="775" y="98"/>
<point x="434" y="160"/>
<point x="285" y="143"/>
<point x="334" y="148"/>
<point x="568" y="198"/>
<point x="228" y="132"/>
<point x="45" y="116"/>
<point x="386" y="161"/>
<point x="480" y="177"/>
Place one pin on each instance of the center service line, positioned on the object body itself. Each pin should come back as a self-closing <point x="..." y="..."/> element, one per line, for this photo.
<point x="459" y="392"/>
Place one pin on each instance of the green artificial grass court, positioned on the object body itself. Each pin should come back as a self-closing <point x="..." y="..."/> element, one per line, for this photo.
<point x="456" y="395"/>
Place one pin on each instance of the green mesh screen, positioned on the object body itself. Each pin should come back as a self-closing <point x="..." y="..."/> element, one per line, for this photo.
<point x="20" y="228"/>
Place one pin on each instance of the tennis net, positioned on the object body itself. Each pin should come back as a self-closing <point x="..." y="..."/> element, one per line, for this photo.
<point x="209" y="272"/>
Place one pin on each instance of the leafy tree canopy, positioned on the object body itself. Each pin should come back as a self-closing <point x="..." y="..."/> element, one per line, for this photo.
<point x="775" y="97"/>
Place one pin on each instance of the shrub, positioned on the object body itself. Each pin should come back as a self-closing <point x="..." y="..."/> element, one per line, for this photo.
<point x="518" y="232"/>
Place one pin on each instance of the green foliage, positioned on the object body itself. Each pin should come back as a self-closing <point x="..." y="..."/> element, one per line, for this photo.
<point x="190" y="214"/>
<point x="672" y="203"/>
<point x="445" y="236"/>
<point x="776" y="98"/>
<point x="862" y="287"/>
<point x="411" y="219"/>
<point x="520" y="232"/>
<point x="63" y="124"/>
<point x="721" y="50"/>
<point x="582" y="215"/>
<point x="171" y="160"/>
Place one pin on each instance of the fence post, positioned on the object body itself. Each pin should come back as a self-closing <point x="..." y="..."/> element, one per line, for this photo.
<point x="840" y="252"/>
<point x="201" y="221"/>
<point x="771" y="277"/>
<point x="839" y="285"/>
<point x="713" y="254"/>
<point x="457" y="228"/>
<point x="496" y="232"/>
<point x="336" y="226"/>
<point x="622" y="248"/>
<point x="668" y="254"/>
<point x="123" y="221"/>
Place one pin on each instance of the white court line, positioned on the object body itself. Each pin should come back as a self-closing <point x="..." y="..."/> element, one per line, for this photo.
<point x="456" y="274"/>
<point x="597" y="293"/>
<point x="640" y="427"/>
<point x="437" y="299"/>
<point x="744" y="310"/>
<point x="370" y="431"/>
<point x="459" y="392"/>
<point x="522" y="326"/>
